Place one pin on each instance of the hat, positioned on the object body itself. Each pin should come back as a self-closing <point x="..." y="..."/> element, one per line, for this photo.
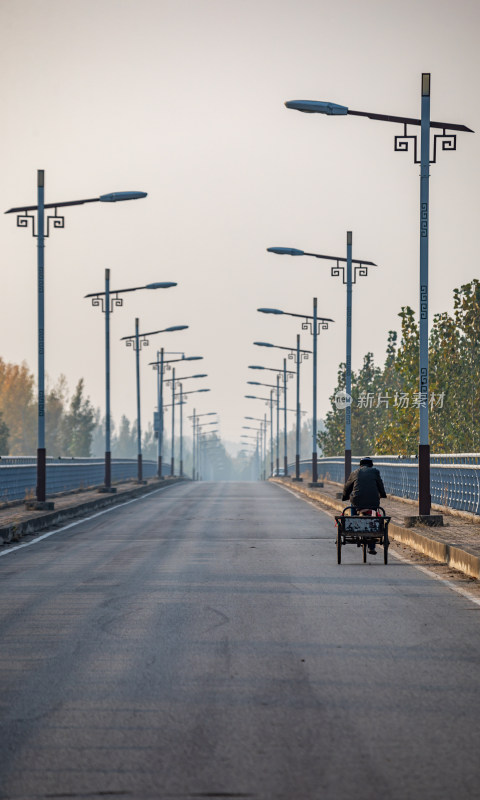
<point x="366" y="462"/>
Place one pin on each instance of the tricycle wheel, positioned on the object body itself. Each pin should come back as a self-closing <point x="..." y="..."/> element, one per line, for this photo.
<point x="339" y="547"/>
<point x="364" y="546"/>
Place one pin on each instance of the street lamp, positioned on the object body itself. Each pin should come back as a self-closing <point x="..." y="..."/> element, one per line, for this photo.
<point x="24" y="218"/>
<point x="160" y="365"/>
<point x="349" y="280"/>
<point x="297" y="355"/>
<point x="181" y="403"/>
<point x="315" y="325"/>
<point x="137" y="341"/>
<point x="270" y="369"/>
<point x="274" y="387"/>
<point x="265" y="423"/>
<point x="200" y="444"/>
<point x="107" y="301"/>
<point x="402" y="144"/>
<point x="261" y="438"/>
<point x="257" y="456"/>
<point x="194" y="419"/>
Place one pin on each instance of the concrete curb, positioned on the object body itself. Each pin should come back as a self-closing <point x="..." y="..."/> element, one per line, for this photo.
<point x="443" y="552"/>
<point x="15" y="531"/>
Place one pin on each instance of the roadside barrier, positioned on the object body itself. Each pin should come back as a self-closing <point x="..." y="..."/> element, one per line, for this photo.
<point x="18" y="475"/>
<point x="454" y="478"/>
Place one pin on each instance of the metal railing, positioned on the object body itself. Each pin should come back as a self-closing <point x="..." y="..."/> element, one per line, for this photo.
<point x="454" y="478"/>
<point x="18" y="475"/>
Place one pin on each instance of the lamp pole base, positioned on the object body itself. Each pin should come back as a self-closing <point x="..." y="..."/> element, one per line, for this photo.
<point x="41" y="492"/>
<point x="424" y="497"/>
<point x="39" y="505"/>
<point x="348" y="464"/>
<point x="108" y="469"/>
<point x="159" y="470"/>
<point x="432" y="520"/>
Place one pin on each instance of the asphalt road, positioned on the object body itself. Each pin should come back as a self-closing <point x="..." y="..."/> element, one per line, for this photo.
<point x="203" y="642"/>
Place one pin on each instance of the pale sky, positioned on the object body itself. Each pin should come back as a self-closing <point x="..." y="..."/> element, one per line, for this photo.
<point x="184" y="99"/>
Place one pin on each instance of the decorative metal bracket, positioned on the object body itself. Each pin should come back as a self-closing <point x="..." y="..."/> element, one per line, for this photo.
<point x="293" y="356"/>
<point x="402" y="143"/>
<point x="23" y="221"/>
<point x="357" y="269"/>
<point x="142" y="342"/>
<point x="99" y="300"/>
<point x="449" y="142"/>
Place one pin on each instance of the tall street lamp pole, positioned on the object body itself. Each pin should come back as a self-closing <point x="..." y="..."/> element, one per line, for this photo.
<point x="270" y="369"/>
<point x="172" y="459"/>
<point x="349" y="279"/>
<point x="315" y="325"/>
<point x="448" y="140"/>
<point x="24" y="218"/>
<point x="274" y="390"/>
<point x="160" y="357"/>
<point x="107" y="301"/>
<point x="267" y="401"/>
<point x="200" y="443"/>
<point x="292" y="354"/>
<point x="182" y="402"/>
<point x="196" y="427"/>
<point x="161" y="364"/>
<point x="265" y="423"/>
<point x="137" y="341"/>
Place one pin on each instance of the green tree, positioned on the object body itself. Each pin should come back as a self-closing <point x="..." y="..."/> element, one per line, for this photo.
<point x="125" y="445"/>
<point x="454" y="390"/>
<point x="78" y="424"/>
<point x="18" y="407"/>
<point x="4" y="437"/>
<point x="54" y="417"/>
<point x="332" y="439"/>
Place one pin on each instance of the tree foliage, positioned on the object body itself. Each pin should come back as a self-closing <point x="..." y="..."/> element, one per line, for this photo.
<point x="78" y="424"/>
<point x="385" y="414"/>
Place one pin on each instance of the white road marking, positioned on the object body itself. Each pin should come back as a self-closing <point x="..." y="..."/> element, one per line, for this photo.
<point x="78" y="522"/>
<point x="426" y="570"/>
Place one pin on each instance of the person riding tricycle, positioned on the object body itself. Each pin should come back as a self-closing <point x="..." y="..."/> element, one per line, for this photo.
<point x="364" y="488"/>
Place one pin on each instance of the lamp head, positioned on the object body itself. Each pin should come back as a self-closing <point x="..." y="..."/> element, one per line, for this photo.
<point x="270" y="311"/>
<point x="256" y="367"/>
<point x="285" y="251"/>
<point x="115" y="197"/>
<point x="317" y="107"/>
<point x="176" y="328"/>
<point x="200" y="376"/>
<point x="254" y="383"/>
<point x="192" y="358"/>
<point x="264" y="344"/>
<point x="162" y="285"/>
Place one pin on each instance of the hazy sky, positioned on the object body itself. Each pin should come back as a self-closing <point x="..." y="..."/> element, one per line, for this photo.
<point x="184" y="99"/>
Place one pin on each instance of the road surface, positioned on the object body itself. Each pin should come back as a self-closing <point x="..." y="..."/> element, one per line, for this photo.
<point x="203" y="642"/>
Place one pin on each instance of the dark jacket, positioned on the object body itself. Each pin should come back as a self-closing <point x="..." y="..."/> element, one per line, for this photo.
<point x="364" y="488"/>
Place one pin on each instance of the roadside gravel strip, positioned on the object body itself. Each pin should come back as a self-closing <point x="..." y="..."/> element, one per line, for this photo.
<point x="461" y="554"/>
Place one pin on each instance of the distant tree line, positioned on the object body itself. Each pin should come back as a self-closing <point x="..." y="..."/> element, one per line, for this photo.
<point x="73" y="426"/>
<point x="69" y="421"/>
<point x="385" y="400"/>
